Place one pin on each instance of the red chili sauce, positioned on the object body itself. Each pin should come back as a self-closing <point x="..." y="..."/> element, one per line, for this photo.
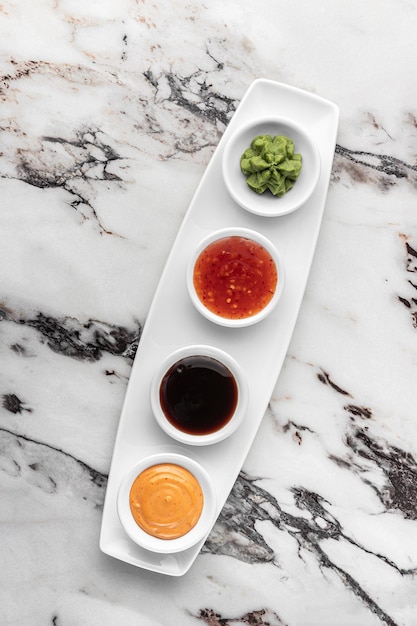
<point x="235" y="277"/>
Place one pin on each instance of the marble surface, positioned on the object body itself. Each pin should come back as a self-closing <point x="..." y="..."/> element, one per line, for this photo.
<point x="110" y="112"/>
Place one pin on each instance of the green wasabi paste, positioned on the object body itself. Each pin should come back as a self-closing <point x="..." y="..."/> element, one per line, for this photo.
<point x="270" y="163"/>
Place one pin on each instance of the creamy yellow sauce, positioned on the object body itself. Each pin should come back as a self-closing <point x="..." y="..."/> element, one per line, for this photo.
<point x="166" y="500"/>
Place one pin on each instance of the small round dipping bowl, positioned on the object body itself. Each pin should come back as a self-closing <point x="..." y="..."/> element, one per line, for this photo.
<point x="200" y="300"/>
<point x="266" y="204"/>
<point x="199" y="395"/>
<point x="193" y="536"/>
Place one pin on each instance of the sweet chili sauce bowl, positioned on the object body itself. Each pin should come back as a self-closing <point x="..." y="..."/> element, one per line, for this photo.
<point x="235" y="277"/>
<point x="162" y="503"/>
<point x="266" y="204"/>
<point x="199" y="395"/>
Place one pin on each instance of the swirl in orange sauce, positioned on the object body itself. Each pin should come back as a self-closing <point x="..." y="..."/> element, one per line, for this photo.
<point x="166" y="500"/>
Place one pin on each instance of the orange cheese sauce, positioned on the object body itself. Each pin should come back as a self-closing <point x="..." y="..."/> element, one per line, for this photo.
<point x="235" y="277"/>
<point x="166" y="500"/>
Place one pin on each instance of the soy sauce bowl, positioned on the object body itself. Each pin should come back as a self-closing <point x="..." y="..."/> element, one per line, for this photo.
<point x="199" y="395"/>
<point x="193" y="536"/>
<point x="200" y="296"/>
<point x="266" y="204"/>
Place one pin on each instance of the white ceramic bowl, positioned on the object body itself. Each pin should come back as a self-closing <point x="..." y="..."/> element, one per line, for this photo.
<point x="258" y="238"/>
<point x="167" y="546"/>
<point x="266" y="204"/>
<point x="242" y="396"/>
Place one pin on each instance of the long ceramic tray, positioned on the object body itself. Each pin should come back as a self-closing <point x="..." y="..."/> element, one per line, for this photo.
<point x="173" y="322"/>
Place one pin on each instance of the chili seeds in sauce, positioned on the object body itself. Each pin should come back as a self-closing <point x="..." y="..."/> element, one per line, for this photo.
<point x="235" y="277"/>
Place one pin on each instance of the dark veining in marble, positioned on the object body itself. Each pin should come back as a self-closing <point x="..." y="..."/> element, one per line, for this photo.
<point x="12" y="403"/>
<point x="399" y="468"/>
<point x="411" y="267"/>
<point x="235" y="533"/>
<point x="88" y="157"/>
<point x="411" y="258"/>
<point x="74" y="163"/>
<point x="361" y="165"/>
<point x="22" y="70"/>
<point x="17" y="348"/>
<point x="361" y="411"/>
<point x="382" y="163"/>
<point x="262" y="617"/>
<point x="237" y="530"/>
<point x="85" y="341"/>
<point x="54" y="471"/>
<point x="296" y="430"/>
<point x="50" y="469"/>
<point x="201" y="113"/>
<point x="324" y="378"/>
<point x="124" y="53"/>
<point x="195" y="94"/>
<point x="399" y="491"/>
<point x="213" y="106"/>
<point x="84" y="141"/>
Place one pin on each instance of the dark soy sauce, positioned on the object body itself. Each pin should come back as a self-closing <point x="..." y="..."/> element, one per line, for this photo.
<point x="198" y="395"/>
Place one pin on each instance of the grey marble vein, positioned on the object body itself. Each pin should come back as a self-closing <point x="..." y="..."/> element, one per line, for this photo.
<point x="50" y="469"/>
<point x="80" y="340"/>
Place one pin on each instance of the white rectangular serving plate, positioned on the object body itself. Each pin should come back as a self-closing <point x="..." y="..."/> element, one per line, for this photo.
<point x="173" y="322"/>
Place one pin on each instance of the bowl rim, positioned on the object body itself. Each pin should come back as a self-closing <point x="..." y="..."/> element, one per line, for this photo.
<point x="242" y="398"/>
<point x="249" y="234"/>
<point x="167" y="546"/>
<point x="251" y="201"/>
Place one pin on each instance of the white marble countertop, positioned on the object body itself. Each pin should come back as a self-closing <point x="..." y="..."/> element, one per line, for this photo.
<point x="110" y="112"/>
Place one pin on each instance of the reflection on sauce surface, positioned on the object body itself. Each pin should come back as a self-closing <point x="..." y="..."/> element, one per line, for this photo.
<point x="235" y="277"/>
<point x="198" y="395"/>
<point x="166" y="500"/>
